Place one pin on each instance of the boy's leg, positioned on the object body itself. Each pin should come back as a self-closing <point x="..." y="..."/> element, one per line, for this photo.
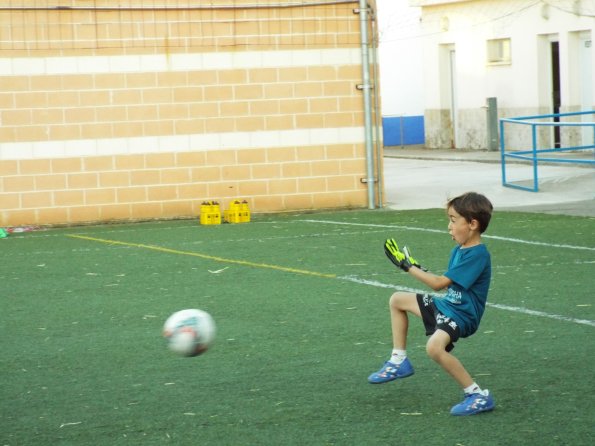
<point x="476" y="400"/>
<point x="400" y="305"/>
<point x="436" y="349"/>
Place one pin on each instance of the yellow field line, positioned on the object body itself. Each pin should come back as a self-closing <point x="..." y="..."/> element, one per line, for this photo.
<point x="203" y="256"/>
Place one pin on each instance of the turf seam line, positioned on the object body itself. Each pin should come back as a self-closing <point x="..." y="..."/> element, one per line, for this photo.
<point x="413" y="228"/>
<point x="202" y="256"/>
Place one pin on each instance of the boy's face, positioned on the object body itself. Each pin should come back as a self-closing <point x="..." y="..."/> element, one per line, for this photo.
<point x="463" y="232"/>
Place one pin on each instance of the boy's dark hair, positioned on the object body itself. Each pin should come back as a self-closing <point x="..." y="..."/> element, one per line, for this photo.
<point x="473" y="206"/>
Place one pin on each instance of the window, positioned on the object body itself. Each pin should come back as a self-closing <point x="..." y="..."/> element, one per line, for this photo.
<point x="499" y="51"/>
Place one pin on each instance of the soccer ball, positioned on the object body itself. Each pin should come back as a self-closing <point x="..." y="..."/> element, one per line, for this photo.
<point x="189" y="332"/>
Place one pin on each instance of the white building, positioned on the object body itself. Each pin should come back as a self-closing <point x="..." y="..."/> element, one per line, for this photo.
<point x="534" y="57"/>
<point x="401" y="65"/>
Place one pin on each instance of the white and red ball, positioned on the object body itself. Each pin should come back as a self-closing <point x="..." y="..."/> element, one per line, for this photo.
<point x="189" y="332"/>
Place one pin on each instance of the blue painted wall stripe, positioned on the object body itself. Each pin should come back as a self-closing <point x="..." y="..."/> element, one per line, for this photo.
<point x="403" y="130"/>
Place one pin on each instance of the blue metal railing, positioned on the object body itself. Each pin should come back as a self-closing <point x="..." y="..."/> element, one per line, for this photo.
<point x="535" y="154"/>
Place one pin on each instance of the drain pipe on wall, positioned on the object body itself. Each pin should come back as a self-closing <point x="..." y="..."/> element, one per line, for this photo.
<point x="378" y="150"/>
<point x="366" y="86"/>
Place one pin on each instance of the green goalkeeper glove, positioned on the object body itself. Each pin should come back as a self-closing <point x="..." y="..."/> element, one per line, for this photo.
<point x="391" y="249"/>
<point x="411" y="260"/>
<point x="402" y="259"/>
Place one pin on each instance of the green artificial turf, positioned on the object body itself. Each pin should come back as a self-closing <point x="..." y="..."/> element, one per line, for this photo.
<point x="301" y="306"/>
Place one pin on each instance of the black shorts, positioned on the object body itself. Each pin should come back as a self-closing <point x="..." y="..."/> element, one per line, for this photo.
<point x="434" y="320"/>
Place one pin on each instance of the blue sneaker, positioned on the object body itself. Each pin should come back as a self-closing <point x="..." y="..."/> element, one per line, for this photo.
<point x="474" y="403"/>
<point x="391" y="371"/>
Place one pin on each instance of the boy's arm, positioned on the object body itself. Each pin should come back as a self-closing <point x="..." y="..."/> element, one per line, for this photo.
<point x="409" y="265"/>
<point x="432" y="280"/>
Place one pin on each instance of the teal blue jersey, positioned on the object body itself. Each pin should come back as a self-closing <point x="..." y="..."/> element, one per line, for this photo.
<point x="470" y="270"/>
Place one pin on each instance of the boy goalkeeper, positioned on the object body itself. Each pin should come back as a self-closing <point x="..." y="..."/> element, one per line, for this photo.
<point x="455" y="315"/>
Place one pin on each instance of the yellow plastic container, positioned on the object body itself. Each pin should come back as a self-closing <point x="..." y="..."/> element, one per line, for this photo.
<point x="210" y="213"/>
<point x="245" y="212"/>
<point x="238" y="212"/>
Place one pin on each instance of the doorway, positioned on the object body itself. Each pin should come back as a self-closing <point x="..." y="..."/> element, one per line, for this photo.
<point x="586" y="86"/>
<point x="556" y="93"/>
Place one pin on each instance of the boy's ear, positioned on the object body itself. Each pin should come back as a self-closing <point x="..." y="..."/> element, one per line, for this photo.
<point x="474" y="224"/>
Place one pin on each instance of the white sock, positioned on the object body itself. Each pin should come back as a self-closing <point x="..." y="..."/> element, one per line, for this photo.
<point x="473" y="388"/>
<point x="398" y="356"/>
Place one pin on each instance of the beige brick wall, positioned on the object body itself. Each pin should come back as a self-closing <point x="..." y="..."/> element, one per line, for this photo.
<point x="136" y="114"/>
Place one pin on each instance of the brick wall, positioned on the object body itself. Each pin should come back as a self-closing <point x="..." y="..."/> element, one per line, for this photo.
<point x="139" y="113"/>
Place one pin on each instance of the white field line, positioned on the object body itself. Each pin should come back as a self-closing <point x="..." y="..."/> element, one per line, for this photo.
<point x="521" y="310"/>
<point x="41" y="233"/>
<point x="413" y="228"/>
<point x="557" y="317"/>
<point x="413" y="290"/>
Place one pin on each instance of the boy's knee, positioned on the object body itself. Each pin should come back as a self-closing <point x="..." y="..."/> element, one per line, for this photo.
<point x="397" y="299"/>
<point x="435" y="348"/>
<point x="431" y="349"/>
<point x="402" y="301"/>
